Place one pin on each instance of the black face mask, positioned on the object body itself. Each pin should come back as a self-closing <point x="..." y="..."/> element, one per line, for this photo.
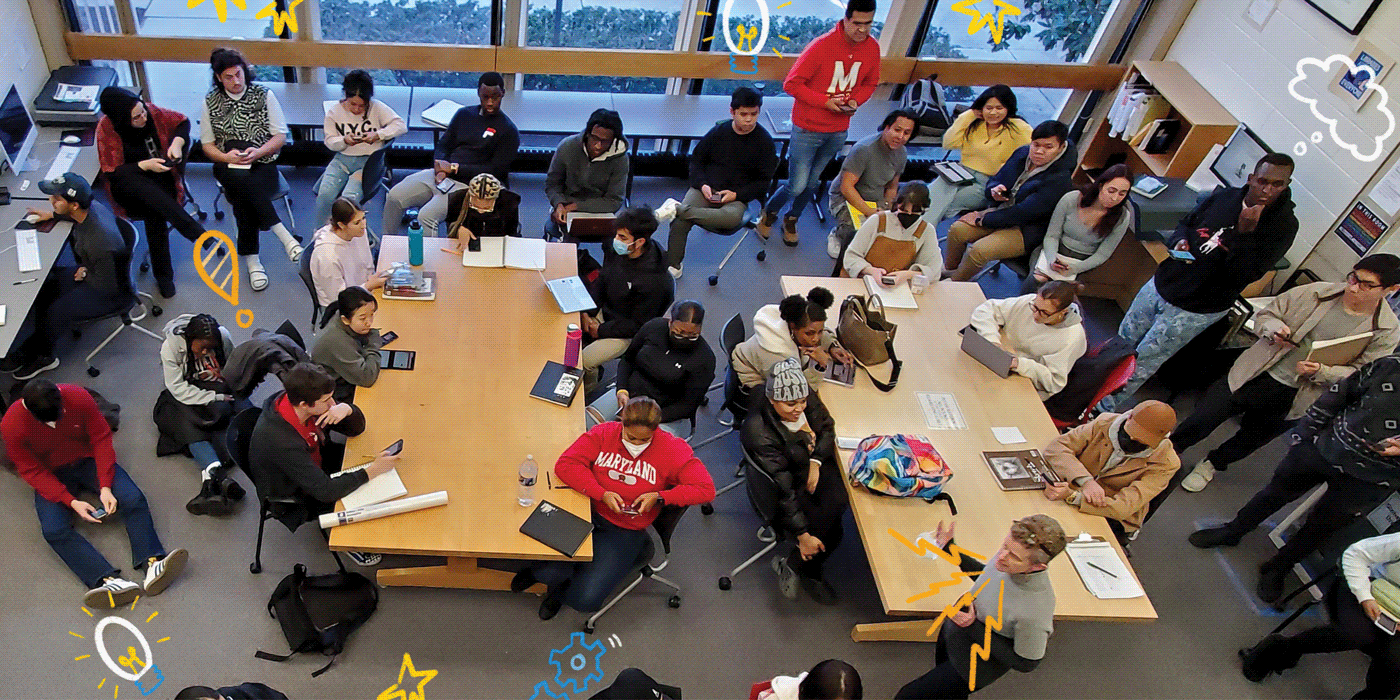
<point x="678" y="343"/>
<point x="1126" y="441"/>
<point x="907" y="220"/>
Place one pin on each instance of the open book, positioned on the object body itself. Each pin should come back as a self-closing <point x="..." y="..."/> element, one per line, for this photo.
<point x="896" y="297"/>
<point x="571" y="294"/>
<point x="1339" y="351"/>
<point x="507" y="251"/>
<point x="386" y="486"/>
<point x="440" y="114"/>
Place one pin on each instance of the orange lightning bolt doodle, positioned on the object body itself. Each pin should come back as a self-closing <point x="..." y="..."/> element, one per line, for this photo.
<point x="993" y="23"/>
<point x="984" y="650"/>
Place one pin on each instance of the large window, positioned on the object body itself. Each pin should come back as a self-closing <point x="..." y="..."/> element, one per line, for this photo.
<point x="609" y="24"/>
<point x="419" y="22"/>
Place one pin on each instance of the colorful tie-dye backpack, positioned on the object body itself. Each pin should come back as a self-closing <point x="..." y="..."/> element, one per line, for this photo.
<point x="901" y="466"/>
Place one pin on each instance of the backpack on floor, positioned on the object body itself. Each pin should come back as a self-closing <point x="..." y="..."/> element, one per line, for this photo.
<point x="901" y="466"/>
<point x="318" y="613"/>
<point x="924" y="99"/>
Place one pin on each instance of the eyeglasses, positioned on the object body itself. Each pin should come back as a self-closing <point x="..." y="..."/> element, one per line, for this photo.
<point x="1042" y="313"/>
<point x="1353" y="279"/>
<point x="684" y="336"/>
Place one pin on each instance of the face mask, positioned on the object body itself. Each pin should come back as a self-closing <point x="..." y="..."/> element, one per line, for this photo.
<point x="907" y="220"/>
<point x="621" y="248"/>
<point x="636" y="450"/>
<point x="1126" y="441"/>
<point x="678" y="343"/>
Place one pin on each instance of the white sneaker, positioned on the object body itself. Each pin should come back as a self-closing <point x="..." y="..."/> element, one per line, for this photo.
<point x="113" y="592"/>
<point x="833" y="244"/>
<point x="676" y="271"/>
<point x="667" y="210"/>
<point x="162" y="572"/>
<point x="365" y="558"/>
<point x="1199" y="477"/>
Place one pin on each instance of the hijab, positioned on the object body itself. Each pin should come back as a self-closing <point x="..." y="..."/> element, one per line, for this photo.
<point x="137" y="144"/>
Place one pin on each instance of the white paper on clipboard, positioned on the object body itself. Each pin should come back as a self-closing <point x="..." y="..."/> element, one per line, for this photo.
<point x="941" y="411"/>
<point x="1101" y="569"/>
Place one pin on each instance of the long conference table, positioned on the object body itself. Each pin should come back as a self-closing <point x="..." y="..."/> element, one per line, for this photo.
<point x="927" y="342"/>
<point x="467" y="419"/>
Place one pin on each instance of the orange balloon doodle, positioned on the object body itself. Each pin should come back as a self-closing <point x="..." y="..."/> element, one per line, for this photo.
<point x="223" y="282"/>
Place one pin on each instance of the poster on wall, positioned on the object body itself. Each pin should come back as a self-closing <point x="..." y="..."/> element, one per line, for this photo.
<point x="1372" y="64"/>
<point x="1350" y="15"/>
<point x="1361" y="228"/>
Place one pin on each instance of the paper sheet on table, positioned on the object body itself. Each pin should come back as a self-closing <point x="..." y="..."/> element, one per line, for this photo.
<point x="941" y="411"/>
<point x="386" y="486"/>
<point x="1009" y="436"/>
<point x="1096" y="553"/>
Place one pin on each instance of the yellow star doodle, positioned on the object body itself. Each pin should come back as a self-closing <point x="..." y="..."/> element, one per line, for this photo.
<point x="994" y="24"/>
<point x="394" y="692"/>
<point x="220" y="6"/>
<point x="280" y="19"/>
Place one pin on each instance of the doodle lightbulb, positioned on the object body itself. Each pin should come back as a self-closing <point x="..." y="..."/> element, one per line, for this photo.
<point x="755" y="37"/>
<point x="135" y="668"/>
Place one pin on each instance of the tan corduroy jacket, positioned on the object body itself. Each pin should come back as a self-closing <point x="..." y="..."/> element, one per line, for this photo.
<point x="1130" y="486"/>
<point x="1301" y="308"/>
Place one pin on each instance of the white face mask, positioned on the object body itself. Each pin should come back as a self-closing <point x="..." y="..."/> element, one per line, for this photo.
<point x="796" y="425"/>
<point x="636" y="450"/>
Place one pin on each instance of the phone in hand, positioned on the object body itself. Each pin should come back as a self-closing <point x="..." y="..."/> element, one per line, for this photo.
<point x="445" y="185"/>
<point x="395" y="448"/>
<point x="99" y="514"/>
<point x="1182" y="255"/>
<point x="847" y="108"/>
<point x="1387" y="623"/>
<point x="386" y="338"/>
<point x="888" y="280"/>
<point x="629" y="509"/>
<point x="474" y="244"/>
<point x="716" y="197"/>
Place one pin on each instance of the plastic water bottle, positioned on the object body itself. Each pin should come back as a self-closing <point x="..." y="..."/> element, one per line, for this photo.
<point x="573" y="340"/>
<point x="529" y="474"/>
<point x="415" y="243"/>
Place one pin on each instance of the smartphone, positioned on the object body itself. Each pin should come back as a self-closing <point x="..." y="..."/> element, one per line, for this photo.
<point x="847" y="108"/>
<point x="1386" y="623"/>
<point x="716" y="198"/>
<point x="628" y="509"/>
<point x="887" y="280"/>
<point x="474" y="245"/>
<point x="386" y="338"/>
<point x="1183" y="255"/>
<point x="395" y="448"/>
<point x="445" y="185"/>
<point x="101" y="513"/>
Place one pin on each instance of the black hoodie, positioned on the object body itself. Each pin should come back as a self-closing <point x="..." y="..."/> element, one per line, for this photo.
<point x="676" y="379"/>
<point x="632" y="291"/>
<point x="1034" y="201"/>
<point x="1210" y="283"/>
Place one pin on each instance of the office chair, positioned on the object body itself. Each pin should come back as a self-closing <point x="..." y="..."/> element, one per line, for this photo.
<point x="763" y="496"/>
<point x="749" y="224"/>
<point x="731" y="335"/>
<point x="665" y="526"/>
<point x="284" y="193"/>
<point x="239" y="436"/>
<point x="320" y="316"/>
<point x="1116" y="379"/>
<point x="735" y="400"/>
<point x="374" y="176"/>
<point x="134" y="298"/>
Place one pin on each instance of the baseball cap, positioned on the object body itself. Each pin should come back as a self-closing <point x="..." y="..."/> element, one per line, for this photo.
<point x="1040" y="531"/>
<point x="70" y="186"/>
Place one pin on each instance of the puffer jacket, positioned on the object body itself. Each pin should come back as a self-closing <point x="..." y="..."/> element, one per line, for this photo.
<point x="784" y="455"/>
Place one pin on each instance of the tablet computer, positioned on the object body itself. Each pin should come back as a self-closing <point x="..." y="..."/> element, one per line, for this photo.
<point x="986" y="352"/>
<point x="397" y="359"/>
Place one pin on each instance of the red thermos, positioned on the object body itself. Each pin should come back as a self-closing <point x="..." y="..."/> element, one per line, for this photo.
<point x="572" y="342"/>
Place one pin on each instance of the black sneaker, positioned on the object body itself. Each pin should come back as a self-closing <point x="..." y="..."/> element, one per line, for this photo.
<point x="209" y="501"/>
<point x="1223" y="536"/>
<point x="12" y="362"/>
<point x="553" y="600"/>
<point x="1270" y="655"/>
<point x="232" y="490"/>
<point x="820" y="590"/>
<point x="522" y="581"/>
<point x="36" y="367"/>
<point x="1270" y="588"/>
<point x="166" y="287"/>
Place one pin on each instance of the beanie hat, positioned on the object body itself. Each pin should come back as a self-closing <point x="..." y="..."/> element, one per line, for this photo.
<point x="786" y="382"/>
<point x="484" y="186"/>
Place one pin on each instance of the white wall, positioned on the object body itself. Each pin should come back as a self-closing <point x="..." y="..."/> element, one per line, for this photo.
<point x="1248" y="71"/>
<point x="21" y="57"/>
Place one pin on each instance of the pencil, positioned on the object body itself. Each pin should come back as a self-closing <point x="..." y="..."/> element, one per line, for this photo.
<point x="1100" y="568"/>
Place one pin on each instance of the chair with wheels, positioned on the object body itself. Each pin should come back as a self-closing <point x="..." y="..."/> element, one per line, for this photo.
<point x="320" y="316"/>
<point x="735" y="401"/>
<point x="1117" y="379"/>
<point x="134" y="298"/>
<point x="763" y="496"/>
<point x="239" y="435"/>
<point x="284" y="193"/>
<point x="665" y="526"/>
<point x="749" y="224"/>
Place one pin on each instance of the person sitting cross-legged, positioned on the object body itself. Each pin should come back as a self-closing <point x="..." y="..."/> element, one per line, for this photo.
<point x="62" y="445"/>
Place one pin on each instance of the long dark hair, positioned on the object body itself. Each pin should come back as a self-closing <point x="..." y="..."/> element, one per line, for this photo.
<point x="1005" y="96"/>
<point x="1089" y="194"/>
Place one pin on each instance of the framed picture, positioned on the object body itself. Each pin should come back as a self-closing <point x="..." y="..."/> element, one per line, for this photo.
<point x="1350" y="87"/>
<point x="1350" y="15"/>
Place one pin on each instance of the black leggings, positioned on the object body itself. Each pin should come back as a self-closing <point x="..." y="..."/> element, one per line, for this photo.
<point x="1352" y="629"/>
<point x="824" y="510"/>
<point x="249" y="193"/>
<point x="151" y="197"/>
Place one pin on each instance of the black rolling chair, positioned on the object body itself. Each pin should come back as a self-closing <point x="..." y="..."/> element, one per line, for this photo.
<point x="320" y="316"/>
<point x="749" y="224"/>
<point x="735" y="401"/>
<point x="134" y="298"/>
<point x="763" y="496"/>
<point x="239" y="435"/>
<point x="665" y="526"/>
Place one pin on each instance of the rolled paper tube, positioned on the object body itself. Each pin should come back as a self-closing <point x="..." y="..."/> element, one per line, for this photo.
<point x="382" y="510"/>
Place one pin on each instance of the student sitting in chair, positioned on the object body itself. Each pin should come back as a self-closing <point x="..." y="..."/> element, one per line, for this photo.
<point x="795" y="327"/>
<point x="1085" y="229"/>
<point x="1043" y="332"/>
<point x="985" y="137"/>
<point x="792" y="438"/>
<point x="897" y="244"/>
<point x="669" y="362"/>
<point x="632" y="288"/>
<point x="61" y="445"/>
<point x="97" y="288"/>
<point x="341" y="257"/>
<point x="349" y="346"/>
<point x="630" y="470"/>
<point x="588" y="172"/>
<point x="482" y="209"/>
<point x="869" y="178"/>
<point x="832" y="679"/>
<point x="195" y="406"/>
<point x="289" y="448"/>
<point x="356" y="127"/>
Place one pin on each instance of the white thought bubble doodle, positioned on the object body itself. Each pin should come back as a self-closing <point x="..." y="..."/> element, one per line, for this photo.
<point x="1382" y="105"/>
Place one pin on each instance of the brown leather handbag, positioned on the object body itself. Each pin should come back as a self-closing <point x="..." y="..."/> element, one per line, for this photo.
<point x="864" y="331"/>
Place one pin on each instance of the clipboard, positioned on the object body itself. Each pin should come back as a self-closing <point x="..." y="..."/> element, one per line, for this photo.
<point x="1103" y="572"/>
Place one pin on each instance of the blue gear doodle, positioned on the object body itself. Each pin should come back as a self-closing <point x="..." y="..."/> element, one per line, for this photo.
<point x="542" y="692"/>
<point x="576" y="659"/>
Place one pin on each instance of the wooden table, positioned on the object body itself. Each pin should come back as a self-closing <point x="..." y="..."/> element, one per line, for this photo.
<point x="467" y="418"/>
<point x="928" y="344"/>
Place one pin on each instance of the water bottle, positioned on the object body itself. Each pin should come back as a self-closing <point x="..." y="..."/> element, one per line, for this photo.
<point x="573" y="340"/>
<point x="529" y="474"/>
<point x="415" y="243"/>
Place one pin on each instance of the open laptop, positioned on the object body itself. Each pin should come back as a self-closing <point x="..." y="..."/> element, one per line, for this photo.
<point x="986" y="352"/>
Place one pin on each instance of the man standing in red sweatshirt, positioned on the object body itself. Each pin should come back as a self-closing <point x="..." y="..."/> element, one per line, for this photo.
<point x="835" y="74"/>
<point x="630" y="470"/>
<point x="61" y="444"/>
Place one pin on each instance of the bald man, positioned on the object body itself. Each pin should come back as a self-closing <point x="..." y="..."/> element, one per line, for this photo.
<point x="1115" y="464"/>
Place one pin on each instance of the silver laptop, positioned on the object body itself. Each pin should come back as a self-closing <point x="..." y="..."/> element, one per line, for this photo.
<point x="986" y="352"/>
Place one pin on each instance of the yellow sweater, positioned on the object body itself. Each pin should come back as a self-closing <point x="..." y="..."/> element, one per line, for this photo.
<point x="979" y="151"/>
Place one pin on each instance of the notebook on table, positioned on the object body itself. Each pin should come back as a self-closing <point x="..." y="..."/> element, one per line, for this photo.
<point x="557" y="528"/>
<point x="385" y="487"/>
<point x="507" y="251"/>
<point x="1104" y="573"/>
<point x="1020" y="470"/>
<point x="899" y="296"/>
<point x="571" y="294"/>
<point x="557" y="384"/>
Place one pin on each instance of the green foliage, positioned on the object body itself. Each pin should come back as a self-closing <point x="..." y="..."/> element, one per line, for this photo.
<point x="420" y="21"/>
<point x="593" y="27"/>
<point x="1068" y="25"/>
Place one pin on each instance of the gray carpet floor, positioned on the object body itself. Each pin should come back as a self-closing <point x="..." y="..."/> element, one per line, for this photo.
<point x="492" y="645"/>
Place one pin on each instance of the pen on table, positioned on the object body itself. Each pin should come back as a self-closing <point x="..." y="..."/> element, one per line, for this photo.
<point x="1100" y="568"/>
<point x="31" y="279"/>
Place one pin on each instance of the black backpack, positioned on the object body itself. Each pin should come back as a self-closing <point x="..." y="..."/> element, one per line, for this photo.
<point x="318" y="613"/>
<point x="924" y="99"/>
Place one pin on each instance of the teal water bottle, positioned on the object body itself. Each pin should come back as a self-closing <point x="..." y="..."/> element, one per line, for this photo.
<point x="415" y="243"/>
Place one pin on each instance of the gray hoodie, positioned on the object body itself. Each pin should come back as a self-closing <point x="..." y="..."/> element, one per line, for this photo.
<point x="1044" y="353"/>
<point x="597" y="185"/>
<point x="352" y="359"/>
<point x="174" y="359"/>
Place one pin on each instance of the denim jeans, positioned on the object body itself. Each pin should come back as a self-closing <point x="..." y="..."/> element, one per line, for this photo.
<point x="808" y="154"/>
<point x="336" y="182"/>
<point x="615" y="549"/>
<point x="1158" y="329"/>
<point x="56" y="522"/>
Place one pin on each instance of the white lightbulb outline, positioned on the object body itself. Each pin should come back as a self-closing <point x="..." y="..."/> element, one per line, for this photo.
<point x="763" y="28"/>
<point x="107" y="659"/>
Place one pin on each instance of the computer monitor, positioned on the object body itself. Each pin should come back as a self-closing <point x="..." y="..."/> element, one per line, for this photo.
<point x="1242" y="152"/>
<point x="17" y="132"/>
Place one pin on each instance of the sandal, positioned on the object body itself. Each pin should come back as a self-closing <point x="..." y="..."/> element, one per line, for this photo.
<point x="293" y="249"/>
<point x="257" y="279"/>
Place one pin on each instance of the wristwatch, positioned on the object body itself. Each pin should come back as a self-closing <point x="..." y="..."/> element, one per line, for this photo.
<point x="660" y="501"/>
